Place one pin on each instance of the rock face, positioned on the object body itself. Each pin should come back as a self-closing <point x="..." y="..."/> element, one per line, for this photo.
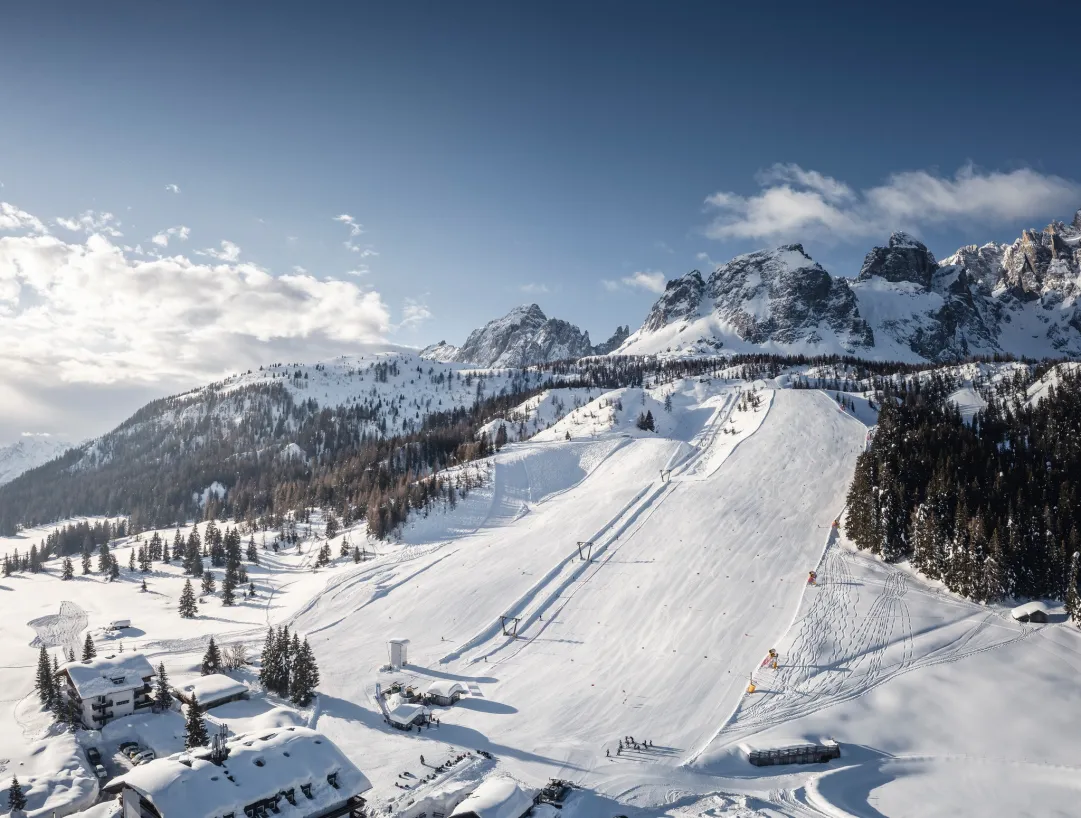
<point x="902" y="259"/>
<point x="613" y="342"/>
<point x="522" y="337"/>
<point x="1022" y="298"/>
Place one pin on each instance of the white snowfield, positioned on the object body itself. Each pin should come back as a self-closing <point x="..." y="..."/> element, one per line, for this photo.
<point x="623" y="664"/>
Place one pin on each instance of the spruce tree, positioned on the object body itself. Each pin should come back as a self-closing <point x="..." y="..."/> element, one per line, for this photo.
<point x="68" y="571"/>
<point x="71" y="654"/>
<point x="187" y="601"/>
<point x="253" y="553"/>
<point x="228" y="585"/>
<point x="305" y="677"/>
<point x="208" y="582"/>
<point x="211" y="659"/>
<point x="195" y="734"/>
<point x="45" y="683"/>
<point x="131" y="559"/>
<point x="89" y="651"/>
<point x="114" y="569"/>
<point x="86" y="561"/>
<point x="16" y="799"/>
<point x="268" y="660"/>
<point x="162" y="695"/>
<point x="105" y="559"/>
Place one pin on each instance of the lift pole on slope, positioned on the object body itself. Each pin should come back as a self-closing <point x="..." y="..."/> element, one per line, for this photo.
<point x="585" y="550"/>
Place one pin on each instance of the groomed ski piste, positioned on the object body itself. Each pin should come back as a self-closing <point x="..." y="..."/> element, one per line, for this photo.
<point x="698" y="539"/>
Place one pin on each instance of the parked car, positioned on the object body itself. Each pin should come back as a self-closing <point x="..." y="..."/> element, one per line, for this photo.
<point x="143" y="757"/>
<point x="131" y="752"/>
<point x="93" y="755"/>
<point x="124" y="746"/>
<point x="99" y="771"/>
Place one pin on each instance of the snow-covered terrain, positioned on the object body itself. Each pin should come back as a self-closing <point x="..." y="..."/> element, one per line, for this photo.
<point x="642" y="577"/>
<point x="29" y="452"/>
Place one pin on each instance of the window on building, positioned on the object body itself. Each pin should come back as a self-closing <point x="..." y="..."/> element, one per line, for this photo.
<point x="306" y="789"/>
<point x="122" y="701"/>
<point x="332" y="779"/>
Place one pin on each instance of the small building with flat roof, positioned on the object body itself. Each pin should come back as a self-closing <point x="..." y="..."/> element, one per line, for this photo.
<point x="1030" y="612"/>
<point x="212" y="690"/>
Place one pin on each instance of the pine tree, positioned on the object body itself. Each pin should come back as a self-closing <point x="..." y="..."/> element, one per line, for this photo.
<point x="45" y="683"/>
<point x="68" y="571"/>
<point x="16" y="799"/>
<point x="144" y="559"/>
<point x="195" y="734"/>
<point x="211" y="659"/>
<point x="187" y="601"/>
<point x="71" y="654"/>
<point x="356" y="553"/>
<point x="114" y="569"/>
<point x="268" y="660"/>
<point x="86" y="561"/>
<point x="162" y="694"/>
<point x="105" y="559"/>
<point x="253" y="553"/>
<point x="208" y="582"/>
<point x="131" y="559"/>
<point x="89" y="651"/>
<point x="228" y="597"/>
<point x="331" y="526"/>
<point x="305" y="677"/>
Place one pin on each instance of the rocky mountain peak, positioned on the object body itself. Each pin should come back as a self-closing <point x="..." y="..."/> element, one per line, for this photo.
<point x="680" y="300"/>
<point x="904" y="258"/>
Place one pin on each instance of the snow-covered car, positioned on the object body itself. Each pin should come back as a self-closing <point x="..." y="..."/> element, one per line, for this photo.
<point x="124" y="746"/>
<point x="99" y="771"/>
<point x="92" y="755"/>
<point x="143" y="757"/>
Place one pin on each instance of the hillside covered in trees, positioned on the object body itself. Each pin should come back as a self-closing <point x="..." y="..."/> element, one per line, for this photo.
<point x="989" y="506"/>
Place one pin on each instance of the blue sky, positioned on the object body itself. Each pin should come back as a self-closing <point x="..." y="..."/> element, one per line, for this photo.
<point x="500" y="153"/>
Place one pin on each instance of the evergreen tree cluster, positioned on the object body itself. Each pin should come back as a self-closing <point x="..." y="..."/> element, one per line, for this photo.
<point x="288" y="666"/>
<point x="990" y="507"/>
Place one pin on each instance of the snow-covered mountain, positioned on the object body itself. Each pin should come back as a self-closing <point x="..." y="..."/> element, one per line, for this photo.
<point x="29" y="452"/>
<point x="1019" y="298"/>
<point x="522" y="337"/>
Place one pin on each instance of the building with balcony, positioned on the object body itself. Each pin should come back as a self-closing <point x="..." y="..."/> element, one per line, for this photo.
<point x="291" y="772"/>
<point x="107" y="688"/>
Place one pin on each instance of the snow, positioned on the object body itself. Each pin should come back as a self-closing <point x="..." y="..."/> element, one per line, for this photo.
<point x="445" y="688"/>
<point x="213" y="687"/>
<point x="497" y="797"/>
<point x="968" y="401"/>
<point x="29" y="452"/>
<point x="941" y="706"/>
<point x="1028" y="609"/>
<point x="257" y="767"/>
<point x="106" y="674"/>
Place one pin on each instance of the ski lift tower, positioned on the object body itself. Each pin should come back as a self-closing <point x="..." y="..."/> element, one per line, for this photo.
<point x="585" y="550"/>
<point x="399" y="653"/>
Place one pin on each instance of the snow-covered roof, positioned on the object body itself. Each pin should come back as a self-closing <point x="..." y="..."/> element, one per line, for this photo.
<point x="105" y="675"/>
<point x="214" y="687"/>
<point x="496" y="798"/>
<point x="444" y="687"/>
<point x="405" y="712"/>
<point x="1028" y="609"/>
<point x="257" y="767"/>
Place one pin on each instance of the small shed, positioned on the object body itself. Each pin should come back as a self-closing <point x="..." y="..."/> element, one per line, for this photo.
<point x="212" y="690"/>
<point x="444" y="692"/>
<point x="818" y="752"/>
<point x="405" y="715"/>
<point x="1030" y="612"/>
<point x="399" y="652"/>
<point x="495" y="798"/>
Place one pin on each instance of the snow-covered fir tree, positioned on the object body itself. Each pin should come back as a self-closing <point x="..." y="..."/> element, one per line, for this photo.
<point x="195" y="734"/>
<point x="188" y="609"/>
<point x="211" y="659"/>
<point x="89" y="651"/>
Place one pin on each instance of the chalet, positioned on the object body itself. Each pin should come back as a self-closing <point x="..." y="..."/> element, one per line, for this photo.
<point x="212" y="690"/>
<point x="405" y="715"/>
<point x="292" y="772"/>
<point x="444" y="692"/>
<point x="495" y="798"/>
<point x="107" y="688"/>
<point x="1030" y="612"/>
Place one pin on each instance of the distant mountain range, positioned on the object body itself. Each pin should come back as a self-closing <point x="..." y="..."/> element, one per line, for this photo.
<point x="1019" y="298"/>
<point x="29" y="452"/>
<point x="523" y="336"/>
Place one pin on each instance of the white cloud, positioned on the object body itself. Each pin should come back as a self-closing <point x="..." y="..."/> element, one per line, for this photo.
<point x="359" y="270"/>
<point x="534" y="289"/>
<point x="414" y="312"/>
<point x="179" y="232"/>
<point x="649" y="280"/>
<point x="12" y="218"/>
<point x="90" y="222"/>
<point x="172" y="188"/>
<point x="354" y="228"/>
<point x="365" y="252"/>
<point x="229" y="252"/>
<point x="705" y="260"/>
<point x="182" y="321"/>
<point x="796" y="204"/>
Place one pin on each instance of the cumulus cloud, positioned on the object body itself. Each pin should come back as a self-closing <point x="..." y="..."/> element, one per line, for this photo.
<point x="229" y="252"/>
<point x="796" y="204"/>
<point x="176" y="320"/>
<point x="91" y="222"/>
<point x="649" y="280"/>
<point x="172" y="188"/>
<point x="179" y="232"/>
<point x="12" y="218"/>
